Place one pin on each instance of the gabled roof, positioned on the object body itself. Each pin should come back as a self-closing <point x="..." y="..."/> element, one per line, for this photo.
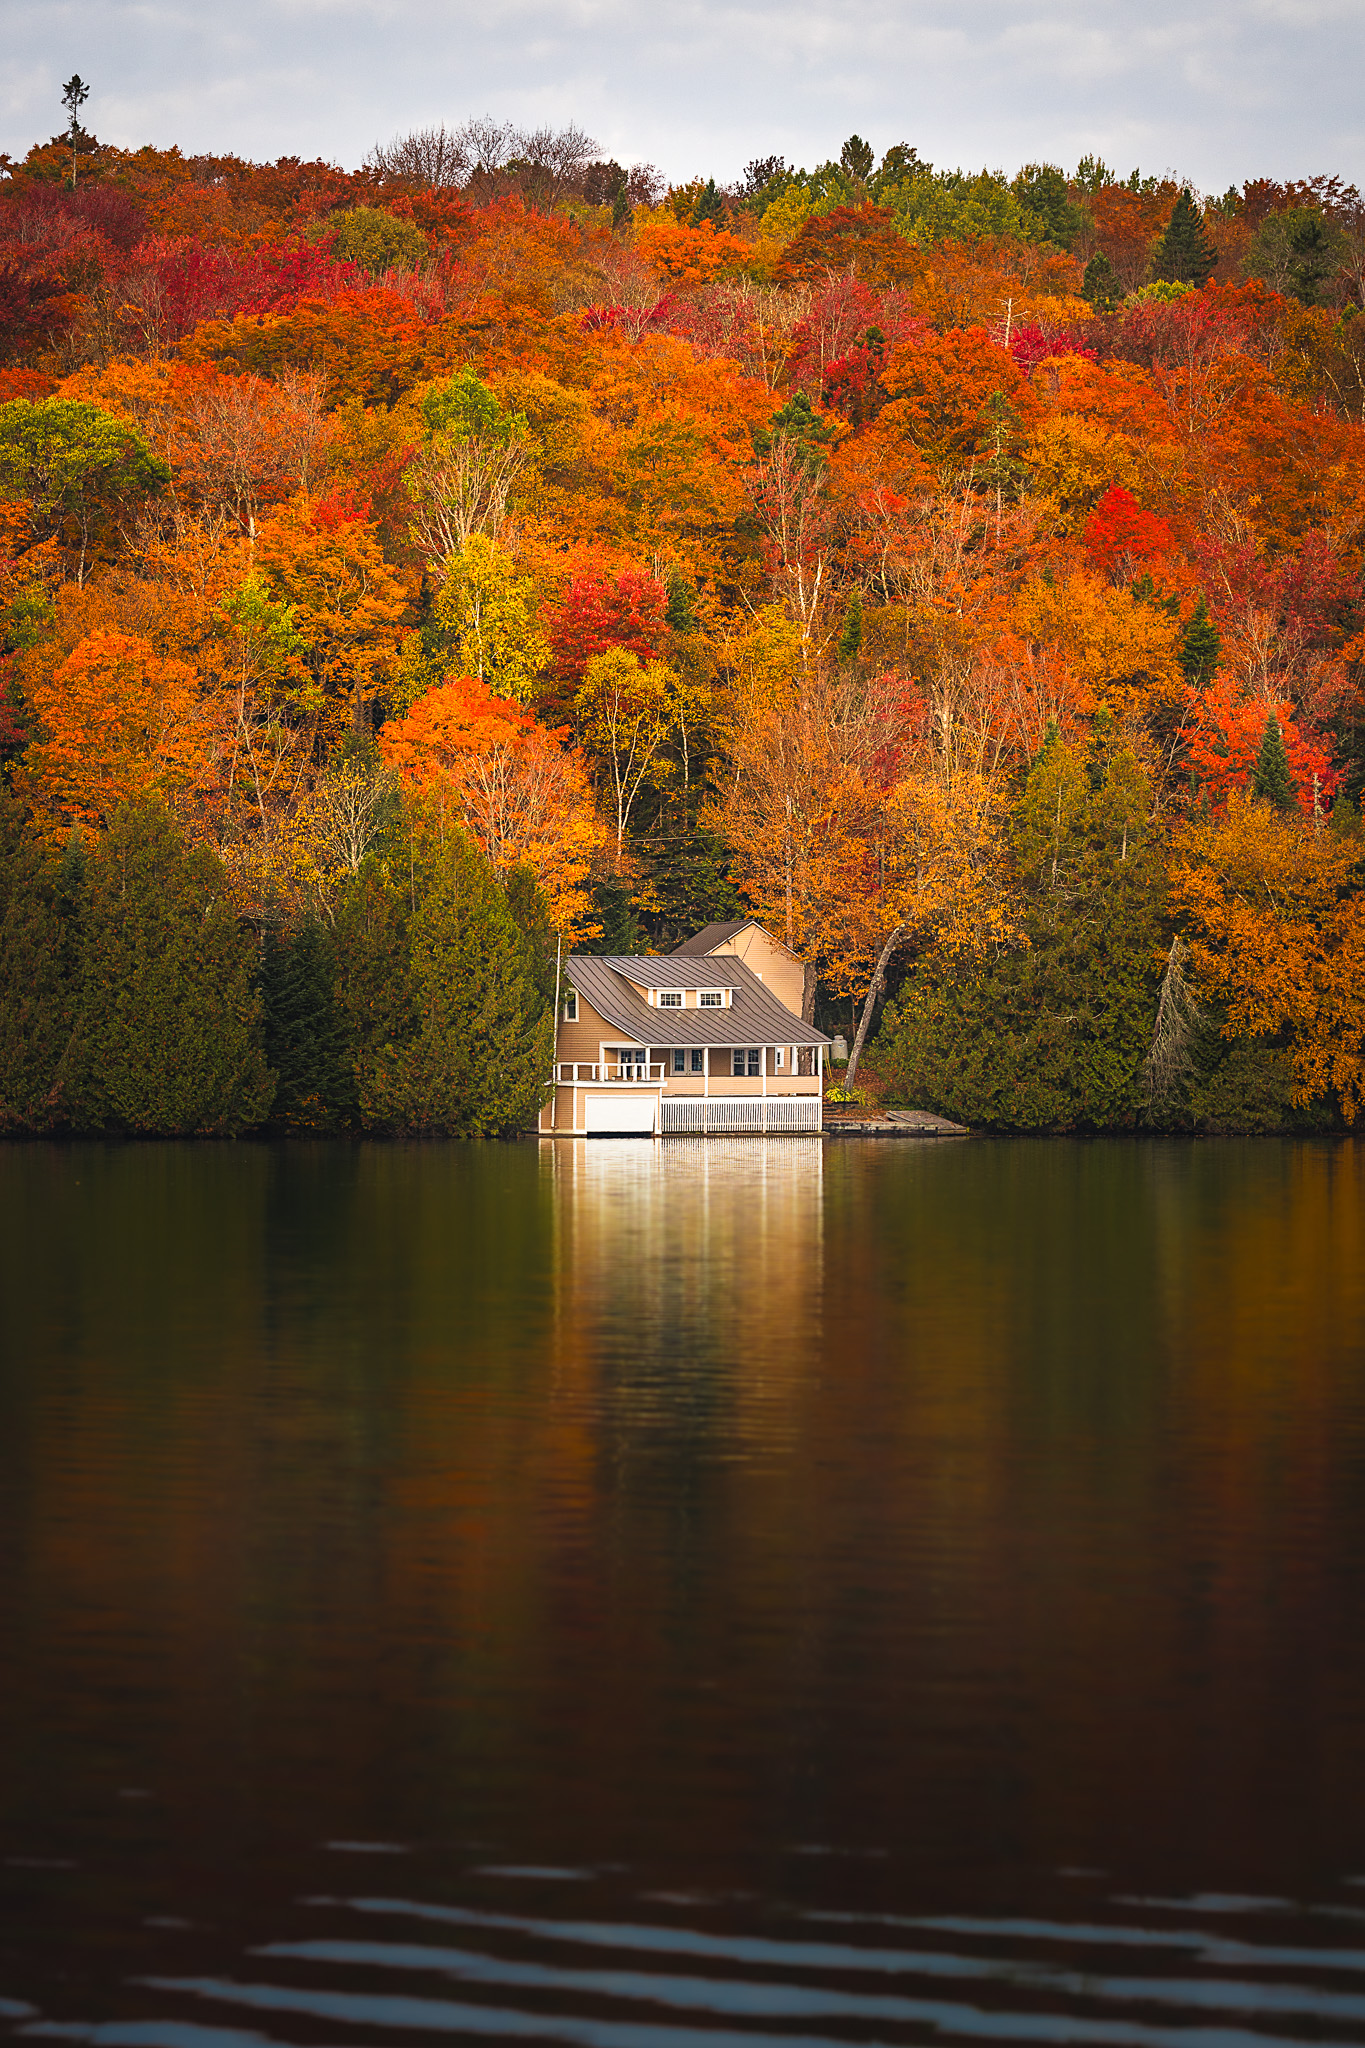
<point x="709" y="936"/>
<point x="754" y="1016"/>
<point x="712" y="935"/>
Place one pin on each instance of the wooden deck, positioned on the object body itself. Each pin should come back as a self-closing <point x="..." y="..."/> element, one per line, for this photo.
<point x="893" y="1123"/>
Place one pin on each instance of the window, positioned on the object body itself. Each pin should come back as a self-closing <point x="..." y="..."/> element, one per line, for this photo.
<point x="777" y="1056"/>
<point x="571" y="1007"/>
<point x="698" y="1060"/>
<point x="679" y="1062"/>
<point x="670" y="998"/>
<point x="711" y="999"/>
<point x="745" y="1062"/>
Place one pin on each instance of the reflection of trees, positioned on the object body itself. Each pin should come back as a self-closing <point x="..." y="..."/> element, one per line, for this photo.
<point x="996" y="1502"/>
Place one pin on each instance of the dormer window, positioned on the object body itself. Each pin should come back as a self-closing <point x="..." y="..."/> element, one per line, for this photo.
<point x="712" y="999"/>
<point x="670" y="999"/>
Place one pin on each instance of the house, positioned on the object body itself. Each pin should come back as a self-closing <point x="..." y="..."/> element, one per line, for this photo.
<point x="707" y="1039"/>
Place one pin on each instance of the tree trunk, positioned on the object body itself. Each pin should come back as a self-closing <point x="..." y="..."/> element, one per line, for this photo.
<point x="808" y="987"/>
<point x="875" y="989"/>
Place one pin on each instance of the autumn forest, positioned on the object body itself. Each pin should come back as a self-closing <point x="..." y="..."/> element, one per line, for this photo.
<point x="409" y="573"/>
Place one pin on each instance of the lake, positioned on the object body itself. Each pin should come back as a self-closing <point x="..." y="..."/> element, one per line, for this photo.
<point x="634" y="1596"/>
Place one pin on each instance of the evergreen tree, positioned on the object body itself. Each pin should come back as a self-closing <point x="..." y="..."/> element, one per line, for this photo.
<point x="456" y="1038"/>
<point x="709" y="207"/>
<point x="681" y="610"/>
<point x="1100" y="284"/>
<point x="1051" y="1036"/>
<point x="1042" y="189"/>
<point x="168" y="1041"/>
<point x="1184" y="254"/>
<point x="1270" y="779"/>
<point x="851" y="637"/>
<point x="41" y="903"/>
<point x="531" y="916"/>
<point x="306" y="1037"/>
<point x="856" y="159"/>
<point x="1201" y="648"/>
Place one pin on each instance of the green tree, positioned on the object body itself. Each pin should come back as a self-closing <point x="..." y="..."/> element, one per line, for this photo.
<point x="856" y="159"/>
<point x="306" y="1038"/>
<point x="78" y="467"/>
<point x="1201" y="649"/>
<point x="709" y="207"/>
<point x="1184" y="254"/>
<point x="454" y="1038"/>
<point x="1052" y="1035"/>
<point x="1270" y="778"/>
<point x="851" y="633"/>
<point x="41" y="905"/>
<point x="1042" y="190"/>
<point x="169" y="1036"/>
<point x="1299" y="252"/>
<point x="1100" y="284"/>
<point x="75" y="93"/>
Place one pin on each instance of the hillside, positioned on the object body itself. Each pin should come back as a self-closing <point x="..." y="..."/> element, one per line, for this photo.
<point x="405" y="570"/>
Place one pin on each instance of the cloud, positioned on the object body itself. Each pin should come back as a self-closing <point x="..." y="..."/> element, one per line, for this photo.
<point x="1220" y="89"/>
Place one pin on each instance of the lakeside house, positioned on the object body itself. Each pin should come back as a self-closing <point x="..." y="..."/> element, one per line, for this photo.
<point x="706" y="1039"/>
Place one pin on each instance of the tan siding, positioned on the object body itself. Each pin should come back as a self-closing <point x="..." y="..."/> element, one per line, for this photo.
<point x="773" y="964"/>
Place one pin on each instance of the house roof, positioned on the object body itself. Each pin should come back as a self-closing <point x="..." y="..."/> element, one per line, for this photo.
<point x="754" y="1017"/>
<point x="710" y="936"/>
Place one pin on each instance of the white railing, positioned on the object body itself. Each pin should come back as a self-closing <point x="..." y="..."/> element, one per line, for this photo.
<point x="603" y="1070"/>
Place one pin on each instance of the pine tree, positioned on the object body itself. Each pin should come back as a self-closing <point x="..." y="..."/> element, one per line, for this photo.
<point x="1201" y="648"/>
<point x="306" y="1038"/>
<point x="41" y="904"/>
<point x="168" y="1041"/>
<point x="1184" y="254"/>
<point x="459" y="1039"/>
<point x="1100" y="284"/>
<point x="851" y="638"/>
<point x="1270" y="779"/>
<point x="856" y="159"/>
<point x="709" y="207"/>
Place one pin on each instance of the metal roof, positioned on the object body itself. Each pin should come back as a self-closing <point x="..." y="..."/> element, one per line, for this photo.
<point x="709" y="936"/>
<point x="653" y="970"/>
<point x="754" y="1017"/>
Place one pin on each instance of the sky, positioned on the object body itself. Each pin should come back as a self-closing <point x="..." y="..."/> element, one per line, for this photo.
<point x="1214" y="90"/>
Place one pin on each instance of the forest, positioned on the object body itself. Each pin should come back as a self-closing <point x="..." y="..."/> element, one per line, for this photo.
<point x="412" y="573"/>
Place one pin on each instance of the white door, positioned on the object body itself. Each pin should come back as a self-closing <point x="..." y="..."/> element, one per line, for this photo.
<point x="623" y="1115"/>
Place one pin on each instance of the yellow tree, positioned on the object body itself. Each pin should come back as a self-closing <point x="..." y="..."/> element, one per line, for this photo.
<point x="938" y="880"/>
<point x="487" y="612"/>
<point x="347" y="605"/>
<point x="1278" y="939"/>
<point x="624" y="714"/>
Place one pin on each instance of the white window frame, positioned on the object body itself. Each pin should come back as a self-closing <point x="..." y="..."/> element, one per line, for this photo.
<point x="711" y="999"/>
<point x="571" y="1007"/>
<point x="670" y="999"/>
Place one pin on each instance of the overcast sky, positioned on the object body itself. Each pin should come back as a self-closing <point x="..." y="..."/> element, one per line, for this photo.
<point x="1218" y="90"/>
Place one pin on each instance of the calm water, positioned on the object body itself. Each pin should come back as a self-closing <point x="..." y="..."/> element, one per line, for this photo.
<point x="768" y="1592"/>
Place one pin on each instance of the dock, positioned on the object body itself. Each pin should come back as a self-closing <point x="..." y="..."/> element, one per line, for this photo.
<point x="893" y="1123"/>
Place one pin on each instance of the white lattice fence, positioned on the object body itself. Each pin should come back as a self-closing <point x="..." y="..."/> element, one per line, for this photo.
<point x="695" y="1116"/>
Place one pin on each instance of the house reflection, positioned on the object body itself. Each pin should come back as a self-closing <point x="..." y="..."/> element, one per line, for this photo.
<point x="689" y="1256"/>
